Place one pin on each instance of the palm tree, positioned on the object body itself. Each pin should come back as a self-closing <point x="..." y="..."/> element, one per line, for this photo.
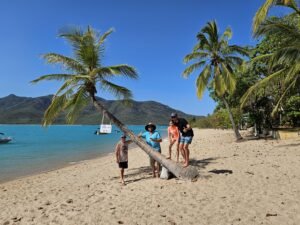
<point x="286" y="57"/>
<point x="262" y="12"/>
<point x="217" y="61"/>
<point x="85" y="71"/>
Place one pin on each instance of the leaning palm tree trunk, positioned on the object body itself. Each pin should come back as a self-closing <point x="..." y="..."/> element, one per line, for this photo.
<point x="178" y="170"/>
<point x="234" y="127"/>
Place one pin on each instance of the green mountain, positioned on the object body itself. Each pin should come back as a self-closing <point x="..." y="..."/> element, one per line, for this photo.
<point x="26" y="110"/>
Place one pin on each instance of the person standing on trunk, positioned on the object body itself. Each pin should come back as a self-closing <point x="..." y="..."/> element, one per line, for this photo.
<point x="186" y="137"/>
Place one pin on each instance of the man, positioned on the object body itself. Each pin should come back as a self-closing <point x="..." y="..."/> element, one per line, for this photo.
<point x="122" y="155"/>
<point x="186" y="137"/>
<point x="153" y="139"/>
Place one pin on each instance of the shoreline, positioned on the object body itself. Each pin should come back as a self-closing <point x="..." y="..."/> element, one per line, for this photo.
<point x="250" y="182"/>
<point x="68" y="164"/>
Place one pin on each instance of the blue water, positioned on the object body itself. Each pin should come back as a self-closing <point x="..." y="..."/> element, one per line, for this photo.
<point x="35" y="149"/>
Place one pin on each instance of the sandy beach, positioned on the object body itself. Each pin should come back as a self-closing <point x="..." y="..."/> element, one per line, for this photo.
<point x="251" y="182"/>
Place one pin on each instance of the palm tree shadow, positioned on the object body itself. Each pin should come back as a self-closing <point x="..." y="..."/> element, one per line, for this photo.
<point x="202" y="163"/>
<point x="137" y="174"/>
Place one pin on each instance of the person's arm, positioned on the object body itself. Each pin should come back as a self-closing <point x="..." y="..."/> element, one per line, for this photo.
<point x="142" y="135"/>
<point x="157" y="138"/>
<point x="118" y="153"/>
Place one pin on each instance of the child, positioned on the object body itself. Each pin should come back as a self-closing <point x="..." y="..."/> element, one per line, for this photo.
<point x="173" y="134"/>
<point x="122" y="155"/>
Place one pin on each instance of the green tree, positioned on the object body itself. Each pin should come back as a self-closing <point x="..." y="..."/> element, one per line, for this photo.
<point x="217" y="61"/>
<point x="86" y="71"/>
<point x="262" y="12"/>
<point x="283" y="62"/>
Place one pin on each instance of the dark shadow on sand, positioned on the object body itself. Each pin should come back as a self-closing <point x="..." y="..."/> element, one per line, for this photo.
<point x="221" y="171"/>
<point x="202" y="163"/>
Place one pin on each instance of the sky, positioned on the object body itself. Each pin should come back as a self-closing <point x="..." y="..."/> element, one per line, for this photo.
<point x="153" y="36"/>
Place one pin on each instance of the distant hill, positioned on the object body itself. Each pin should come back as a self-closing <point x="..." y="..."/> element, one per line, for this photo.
<point x="26" y="110"/>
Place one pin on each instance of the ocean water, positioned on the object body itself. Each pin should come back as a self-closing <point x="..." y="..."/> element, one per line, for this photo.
<point x="35" y="149"/>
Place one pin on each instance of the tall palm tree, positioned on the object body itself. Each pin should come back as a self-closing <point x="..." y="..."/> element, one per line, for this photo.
<point x="216" y="60"/>
<point x="262" y="12"/>
<point x="85" y="72"/>
<point x="286" y="57"/>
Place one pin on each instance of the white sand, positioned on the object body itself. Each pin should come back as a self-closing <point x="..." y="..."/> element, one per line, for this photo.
<point x="263" y="188"/>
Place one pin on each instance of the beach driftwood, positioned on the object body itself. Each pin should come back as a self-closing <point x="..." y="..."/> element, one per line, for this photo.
<point x="184" y="173"/>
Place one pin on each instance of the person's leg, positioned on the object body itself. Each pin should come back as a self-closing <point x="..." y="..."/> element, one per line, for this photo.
<point x="158" y="169"/>
<point x="177" y="150"/>
<point x="181" y="148"/>
<point x="122" y="176"/>
<point x="187" y="155"/>
<point x="170" y="149"/>
<point x="152" y="163"/>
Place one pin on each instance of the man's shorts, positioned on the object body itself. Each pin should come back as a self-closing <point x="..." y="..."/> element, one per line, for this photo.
<point x="186" y="140"/>
<point x="123" y="165"/>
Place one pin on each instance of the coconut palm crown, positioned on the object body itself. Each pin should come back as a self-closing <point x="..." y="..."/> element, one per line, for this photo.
<point x="216" y="60"/>
<point x="85" y="72"/>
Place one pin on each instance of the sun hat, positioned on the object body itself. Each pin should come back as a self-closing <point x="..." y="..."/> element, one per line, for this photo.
<point x="150" y="125"/>
<point x="173" y="114"/>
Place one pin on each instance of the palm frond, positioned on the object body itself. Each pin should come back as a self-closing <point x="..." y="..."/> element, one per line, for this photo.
<point x="68" y="63"/>
<point x="254" y="90"/>
<point x="55" y="108"/>
<point x="195" y="56"/>
<point x="202" y="81"/>
<point x="122" y="69"/>
<point x="104" y="36"/>
<point x="190" y="69"/>
<point x="262" y="12"/>
<point x="118" y="91"/>
<point x="57" y="77"/>
<point x="76" y="104"/>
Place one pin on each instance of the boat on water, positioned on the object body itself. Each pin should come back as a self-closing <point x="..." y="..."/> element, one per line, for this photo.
<point x="4" y="140"/>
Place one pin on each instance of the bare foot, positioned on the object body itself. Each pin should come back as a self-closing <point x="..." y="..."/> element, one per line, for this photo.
<point x="169" y="157"/>
<point x="185" y="165"/>
<point x="123" y="182"/>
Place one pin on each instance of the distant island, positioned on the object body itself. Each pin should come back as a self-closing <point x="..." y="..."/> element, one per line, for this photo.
<point x="27" y="110"/>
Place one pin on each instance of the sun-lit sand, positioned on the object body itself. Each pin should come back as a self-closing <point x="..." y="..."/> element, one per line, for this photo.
<point x="251" y="182"/>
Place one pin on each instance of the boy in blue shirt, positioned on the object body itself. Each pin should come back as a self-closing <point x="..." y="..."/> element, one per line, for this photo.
<point x="153" y="139"/>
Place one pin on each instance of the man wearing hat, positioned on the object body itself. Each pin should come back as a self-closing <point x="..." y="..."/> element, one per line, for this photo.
<point x="153" y="139"/>
<point x="186" y="137"/>
<point x="122" y="155"/>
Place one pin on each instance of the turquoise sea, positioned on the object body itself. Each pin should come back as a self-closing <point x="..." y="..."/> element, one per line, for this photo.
<point x="35" y="149"/>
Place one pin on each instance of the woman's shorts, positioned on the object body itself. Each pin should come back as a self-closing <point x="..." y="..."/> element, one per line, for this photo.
<point x="123" y="165"/>
<point x="186" y="140"/>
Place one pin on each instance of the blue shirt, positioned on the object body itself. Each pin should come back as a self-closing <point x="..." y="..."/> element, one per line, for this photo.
<point x="155" y="136"/>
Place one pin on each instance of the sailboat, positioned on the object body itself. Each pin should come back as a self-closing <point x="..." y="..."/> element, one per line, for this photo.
<point x="104" y="128"/>
<point x="4" y="140"/>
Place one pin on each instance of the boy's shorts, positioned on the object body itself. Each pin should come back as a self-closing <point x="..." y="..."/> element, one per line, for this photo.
<point x="186" y="140"/>
<point x="123" y="165"/>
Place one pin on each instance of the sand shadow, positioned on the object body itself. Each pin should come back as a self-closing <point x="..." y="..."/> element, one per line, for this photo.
<point x="202" y="163"/>
<point x="221" y="171"/>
